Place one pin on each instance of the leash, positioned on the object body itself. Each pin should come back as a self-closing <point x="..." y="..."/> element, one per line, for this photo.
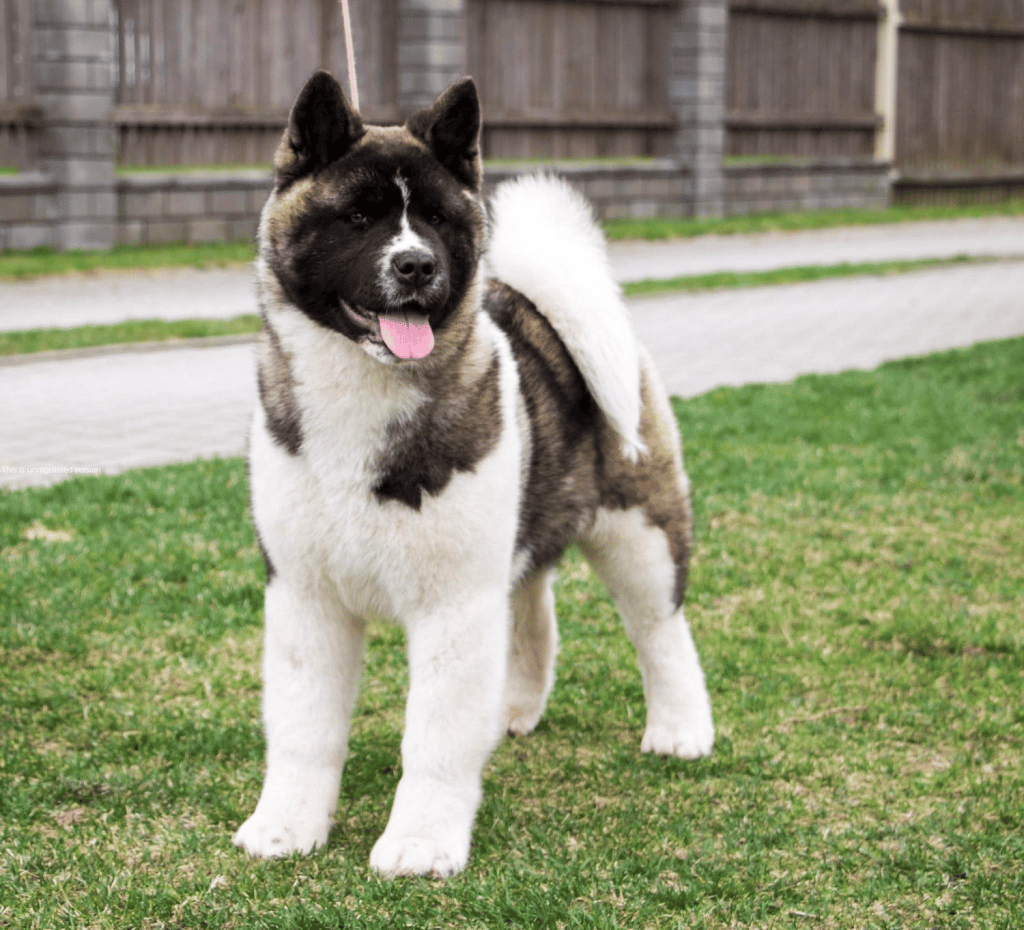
<point x="350" y="54"/>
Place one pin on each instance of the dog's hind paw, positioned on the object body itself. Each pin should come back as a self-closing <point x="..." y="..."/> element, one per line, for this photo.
<point x="521" y="720"/>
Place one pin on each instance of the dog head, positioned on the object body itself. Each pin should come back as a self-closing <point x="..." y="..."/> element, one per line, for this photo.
<point x="376" y="232"/>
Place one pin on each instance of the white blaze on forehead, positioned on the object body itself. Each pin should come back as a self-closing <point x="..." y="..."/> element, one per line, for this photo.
<point x="404" y="188"/>
<point x="406" y="240"/>
<point x="406" y="235"/>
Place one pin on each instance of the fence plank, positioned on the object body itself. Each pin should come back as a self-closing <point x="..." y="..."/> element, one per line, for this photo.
<point x="225" y="58"/>
<point x="960" y="87"/>
<point x="19" y="119"/>
<point x="571" y="78"/>
<point x="800" y="77"/>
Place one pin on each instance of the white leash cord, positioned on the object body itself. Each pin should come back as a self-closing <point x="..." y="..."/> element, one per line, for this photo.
<point x="350" y="54"/>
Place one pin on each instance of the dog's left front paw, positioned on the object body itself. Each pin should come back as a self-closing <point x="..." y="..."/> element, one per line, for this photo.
<point x="684" y="741"/>
<point x="416" y="855"/>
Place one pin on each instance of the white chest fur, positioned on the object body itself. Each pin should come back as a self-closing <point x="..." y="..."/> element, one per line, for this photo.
<point x="318" y="513"/>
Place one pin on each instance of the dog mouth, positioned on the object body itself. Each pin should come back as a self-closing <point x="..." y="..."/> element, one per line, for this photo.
<point x="405" y="330"/>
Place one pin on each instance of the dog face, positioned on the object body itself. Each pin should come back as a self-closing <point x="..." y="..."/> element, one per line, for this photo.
<point x="376" y="232"/>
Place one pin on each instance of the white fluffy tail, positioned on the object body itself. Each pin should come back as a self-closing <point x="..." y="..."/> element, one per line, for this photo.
<point x="546" y="245"/>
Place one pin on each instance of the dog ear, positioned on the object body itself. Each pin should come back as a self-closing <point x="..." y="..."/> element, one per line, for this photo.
<point x="322" y="127"/>
<point x="450" y="128"/>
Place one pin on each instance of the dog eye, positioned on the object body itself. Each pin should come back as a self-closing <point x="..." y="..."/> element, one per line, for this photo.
<point x="435" y="219"/>
<point x="358" y="219"/>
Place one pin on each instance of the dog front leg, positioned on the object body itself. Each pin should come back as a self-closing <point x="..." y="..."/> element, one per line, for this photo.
<point x="457" y="661"/>
<point x="312" y="655"/>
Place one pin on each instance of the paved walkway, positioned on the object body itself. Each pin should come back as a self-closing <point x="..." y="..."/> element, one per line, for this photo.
<point x="134" y="408"/>
<point x="187" y="293"/>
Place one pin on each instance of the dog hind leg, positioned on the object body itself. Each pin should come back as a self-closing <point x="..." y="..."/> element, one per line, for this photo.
<point x="633" y="559"/>
<point x="532" y="651"/>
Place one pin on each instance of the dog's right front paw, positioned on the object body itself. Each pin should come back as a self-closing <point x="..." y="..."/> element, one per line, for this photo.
<point x="267" y="836"/>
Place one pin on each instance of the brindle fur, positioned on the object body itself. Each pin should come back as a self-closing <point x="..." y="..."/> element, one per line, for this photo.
<point x="451" y="432"/>
<point x="575" y="461"/>
<point x="277" y="391"/>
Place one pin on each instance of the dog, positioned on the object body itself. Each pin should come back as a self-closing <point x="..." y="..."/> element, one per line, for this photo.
<point x="450" y="394"/>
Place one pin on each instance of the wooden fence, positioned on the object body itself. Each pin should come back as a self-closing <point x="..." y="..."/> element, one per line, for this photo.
<point x="564" y="78"/>
<point x="961" y="86"/>
<point x="801" y="81"/>
<point x="210" y="81"/>
<point x="800" y="78"/>
<point x="19" y="116"/>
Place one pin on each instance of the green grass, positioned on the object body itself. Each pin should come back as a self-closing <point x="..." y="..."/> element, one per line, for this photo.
<point x="190" y="169"/>
<point x="597" y="161"/>
<point x="82" y="337"/>
<point x="813" y="219"/>
<point x="651" y="287"/>
<point x="43" y="262"/>
<point x="856" y="596"/>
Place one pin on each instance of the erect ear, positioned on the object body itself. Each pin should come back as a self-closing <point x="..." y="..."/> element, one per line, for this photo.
<point x="322" y="127"/>
<point x="450" y="128"/>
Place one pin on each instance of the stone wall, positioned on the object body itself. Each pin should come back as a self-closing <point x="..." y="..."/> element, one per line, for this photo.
<point x="219" y="206"/>
<point x="28" y="211"/>
<point x="812" y="185"/>
<point x="640" y="191"/>
<point x="214" y="206"/>
<point x="73" y="50"/>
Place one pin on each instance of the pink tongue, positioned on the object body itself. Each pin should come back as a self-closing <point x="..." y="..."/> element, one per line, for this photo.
<point x="409" y="335"/>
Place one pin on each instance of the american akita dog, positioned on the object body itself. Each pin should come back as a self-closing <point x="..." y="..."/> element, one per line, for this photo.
<point x="448" y="399"/>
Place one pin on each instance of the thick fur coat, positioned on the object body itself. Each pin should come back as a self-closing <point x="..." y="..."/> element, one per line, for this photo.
<point x="448" y="399"/>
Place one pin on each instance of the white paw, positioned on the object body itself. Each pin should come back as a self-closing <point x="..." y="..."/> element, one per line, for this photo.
<point x="267" y="835"/>
<point x="521" y="720"/>
<point x="417" y="855"/>
<point x="687" y="741"/>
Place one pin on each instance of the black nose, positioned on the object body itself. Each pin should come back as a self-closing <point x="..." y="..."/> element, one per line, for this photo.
<point x="415" y="267"/>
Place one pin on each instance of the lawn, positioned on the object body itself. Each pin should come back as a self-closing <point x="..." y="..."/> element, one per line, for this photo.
<point x="856" y="595"/>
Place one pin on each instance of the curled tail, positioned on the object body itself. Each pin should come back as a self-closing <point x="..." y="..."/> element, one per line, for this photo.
<point x="546" y="244"/>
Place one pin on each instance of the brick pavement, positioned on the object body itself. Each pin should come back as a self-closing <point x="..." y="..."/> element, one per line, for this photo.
<point x="1003" y="236"/>
<point x="115" y="412"/>
<point x="774" y="334"/>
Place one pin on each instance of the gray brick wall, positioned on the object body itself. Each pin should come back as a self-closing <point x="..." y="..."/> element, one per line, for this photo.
<point x="642" y="191"/>
<point x="73" y="68"/>
<point x="825" y="185"/>
<point x="224" y="206"/>
<point x="664" y="189"/>
<point x="214" y="206"/>
<point x="28" y="211"/>
<point x="431" y="50"/>
<point x="697" y="91"/>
